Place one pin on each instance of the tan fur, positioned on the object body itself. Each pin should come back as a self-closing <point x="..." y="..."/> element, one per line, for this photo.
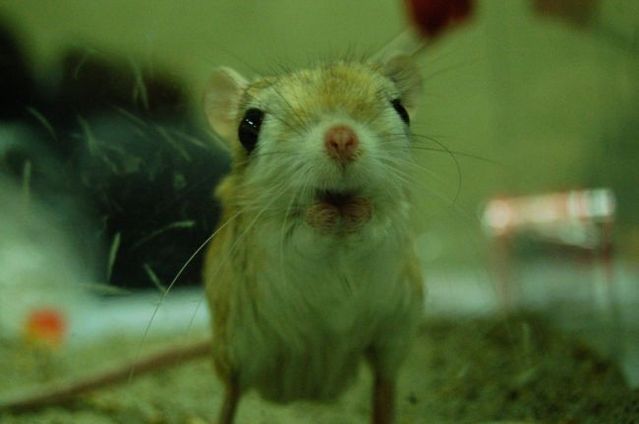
<point x="245" y="274"/>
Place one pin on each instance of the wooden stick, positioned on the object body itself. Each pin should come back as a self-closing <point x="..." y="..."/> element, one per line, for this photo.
<point x="63" y="391"/>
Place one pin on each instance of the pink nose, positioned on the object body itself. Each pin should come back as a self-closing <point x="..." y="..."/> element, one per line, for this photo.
<point x="341" y="143"/>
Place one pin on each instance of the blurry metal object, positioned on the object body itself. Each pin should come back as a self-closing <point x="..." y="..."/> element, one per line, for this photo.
<point x="570" y="217"/>
<point x="578" y="219"/>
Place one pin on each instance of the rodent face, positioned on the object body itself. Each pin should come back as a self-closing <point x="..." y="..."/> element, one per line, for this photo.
<point x="328" y="146"/>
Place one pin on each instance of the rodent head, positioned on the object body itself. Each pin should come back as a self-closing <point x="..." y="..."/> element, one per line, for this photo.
<point x="328" y="146"/>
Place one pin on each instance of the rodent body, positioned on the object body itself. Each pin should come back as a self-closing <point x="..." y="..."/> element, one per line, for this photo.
<point x="313" y="267"/>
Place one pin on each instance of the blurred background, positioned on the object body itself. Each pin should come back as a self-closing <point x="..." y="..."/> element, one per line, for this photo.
<point x="528" y="198"/>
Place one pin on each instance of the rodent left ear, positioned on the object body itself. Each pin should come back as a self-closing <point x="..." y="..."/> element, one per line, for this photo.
<point x="402" y="70"/>
<point x="221" y="101"/>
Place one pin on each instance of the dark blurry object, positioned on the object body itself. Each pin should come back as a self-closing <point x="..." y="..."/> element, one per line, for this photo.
<point x="29" y="150"/>
<point x="581" y="13"/>
<point x="151" y="185"/>
<point x="113" y="144"/>
<point x="433" y="17"/>
<point x="16" y="84"/>
<point x="147" y="170"/>
<point x="93" y="81"/>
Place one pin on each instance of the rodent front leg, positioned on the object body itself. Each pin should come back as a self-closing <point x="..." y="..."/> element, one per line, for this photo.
<point x="383" y="393"/>
<point x="383" y="411"/>
<point x="232" y="395"/>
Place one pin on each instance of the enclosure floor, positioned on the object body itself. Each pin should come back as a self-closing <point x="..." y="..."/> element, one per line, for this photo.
<point x="459" y="371"/>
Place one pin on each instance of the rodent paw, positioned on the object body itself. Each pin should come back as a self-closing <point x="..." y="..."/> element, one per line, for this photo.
<point x="338" y="218"/>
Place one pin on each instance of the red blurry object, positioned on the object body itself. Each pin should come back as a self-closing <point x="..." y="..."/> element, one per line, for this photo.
<point x="46" y="326"/>
<point x="432" y="17"/>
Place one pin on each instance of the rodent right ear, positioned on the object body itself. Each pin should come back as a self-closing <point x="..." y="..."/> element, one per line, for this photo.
<point x="222" y="99"/>
<point x="404" y="72"/>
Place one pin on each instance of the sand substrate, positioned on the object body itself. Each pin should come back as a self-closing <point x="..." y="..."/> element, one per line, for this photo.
<point x="459" y="371"/>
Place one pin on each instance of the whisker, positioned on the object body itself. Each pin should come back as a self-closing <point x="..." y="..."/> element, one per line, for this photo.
<point x="457" y="166"/>
<point x="418" y="138"/>
<point x="416" y="166"/>
<point x="283" y="232"/>
<point x="453" y="67"/>
<point x="255" y="201"/>
<point x="300" y="120"/>
<point x="259" y="153"/>
<point x="458" y="153"/>
<point x="301" y="124"/>
<point x="407" y="178"/>
<point x="170" y="286"/>
<point x="229" y="254"/>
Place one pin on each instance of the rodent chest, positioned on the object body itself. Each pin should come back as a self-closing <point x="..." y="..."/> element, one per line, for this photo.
<point x="331" y="285"/>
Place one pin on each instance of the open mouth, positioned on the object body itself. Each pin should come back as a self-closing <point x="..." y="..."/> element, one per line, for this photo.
<point x="339" y="211"/>
<point x="339" y="199"/>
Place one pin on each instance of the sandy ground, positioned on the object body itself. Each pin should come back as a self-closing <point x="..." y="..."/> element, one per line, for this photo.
<point x="459" y="371"/>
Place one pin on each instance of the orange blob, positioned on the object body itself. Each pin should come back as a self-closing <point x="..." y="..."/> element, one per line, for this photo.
<point x="46" y="326"/>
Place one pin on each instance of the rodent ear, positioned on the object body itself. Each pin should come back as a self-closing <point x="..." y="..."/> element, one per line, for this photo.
<point x="404" y="72"/>
<point x="221" y="101"/>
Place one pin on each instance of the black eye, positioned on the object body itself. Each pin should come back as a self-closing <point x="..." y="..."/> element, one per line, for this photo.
<point x="401" y="110"/>
<point x="249" y="128"/>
